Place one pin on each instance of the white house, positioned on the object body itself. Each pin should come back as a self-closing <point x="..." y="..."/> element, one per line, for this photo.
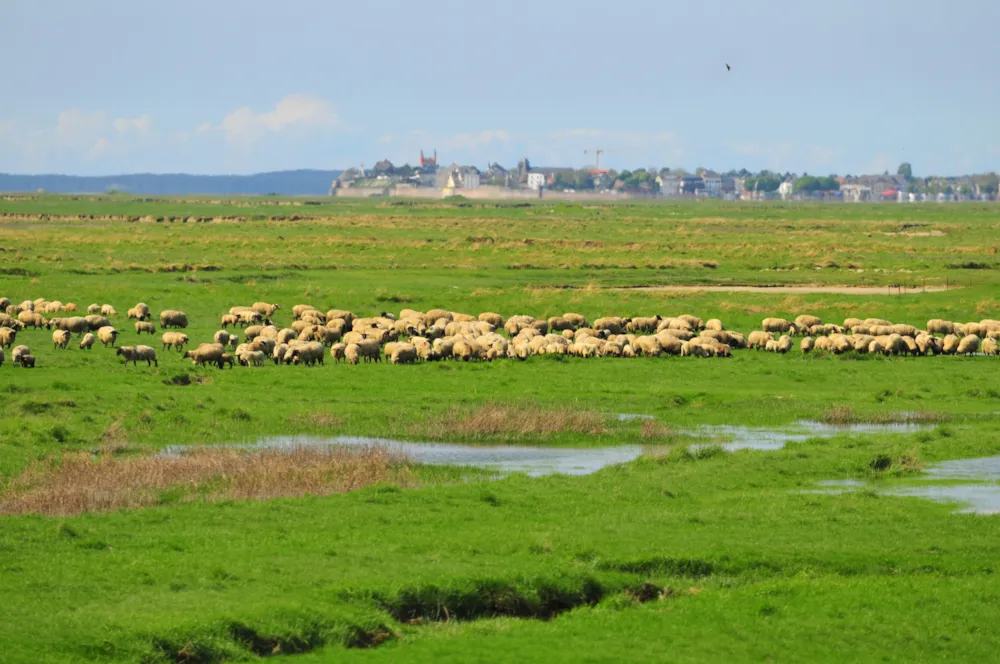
<point x="536" y="180"/>
<point x="713" y="183"/>
<point x="670" y="185"/>
<point x="470" y="180"/>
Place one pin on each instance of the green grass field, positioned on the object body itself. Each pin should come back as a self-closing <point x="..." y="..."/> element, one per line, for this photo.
<point x="677" y="556"/>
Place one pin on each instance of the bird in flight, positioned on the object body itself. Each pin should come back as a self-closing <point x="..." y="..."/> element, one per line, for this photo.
<point x="728" y="68"/>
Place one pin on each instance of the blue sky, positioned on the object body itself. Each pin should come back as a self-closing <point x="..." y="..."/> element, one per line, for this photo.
<point x="114" y="86"/>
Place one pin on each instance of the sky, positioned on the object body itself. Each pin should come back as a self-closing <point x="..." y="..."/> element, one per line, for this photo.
<point x="227" y="86"/>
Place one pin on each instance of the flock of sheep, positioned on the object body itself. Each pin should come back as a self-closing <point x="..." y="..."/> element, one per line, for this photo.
<point x="248" y="336"/>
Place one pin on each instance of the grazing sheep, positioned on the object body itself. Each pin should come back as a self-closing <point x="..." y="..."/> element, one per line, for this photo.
<point x="96" y="322"/>
<point x="250" y="317"/>
<point x="93" y="309"/>
<point x="107" y="310"/>
<point x="107" y="335"/>
<point x="76" y="325"/>
<point x="60" y="339"/>
<point x="87" y="343"/>
<point x="252" y="332"/>
<point x="138" y="354"/>
<point x="230" y="319"/>
<point x="265" y="309"/>
<point x="969" y="345"/>
<point x="805" y="320"/>
<point x="643" y="324"/>
<point x="251" y="357"/>
<point x="950" y="345"/>
<point x="784" y="344"/>
<point x="807" y="344"/>
<point x="172" y="318"/>
<point x="174" y="340"/>
<point x="989" y="347"/>
<point x="403" y="353"/>
<point x="714" y="324"/>
<point x="15" y="355"/>
<point x="222" y="337"/>
<point x="939" y="326"/>
<point x="4" y="303"/>
<point x="205" y="354"/>
<point x="138" y="312"/>
<point x="31" y="319"/>
<point x="370" y="350"/>
<point x="338" y="352"/>
<point x="758" y="339"/>
<point x="308" y="353"/>
<point x="777" y="325"/>
<point x="263" y="344"/>
<point x="28" y="361"/>
<point x="352" y="353"/>
<point x="144" y="326"/>
<point x="578" y="320"/>
<point x="225" y="359"/>
<point x="7" y="336"/>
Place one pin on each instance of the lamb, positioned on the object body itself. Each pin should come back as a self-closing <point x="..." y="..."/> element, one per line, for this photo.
<point x="107" y="335"/>
<point x="138" y="354"/>
<point x="143" y="326"/>
<point x="205" y="354"/>
<point x="175" y="340"/>
<point x="60" y="339"/>
<point x="969" y="345"/>
<point x="94" y="309"/>
<point x="107" y="310"/>
<point x="173" y="318"/>
<point x="87" y="343"/>
<point x="224" y="360"/>
<point x="69" y="307"/>
<point x="230" y="319"/>
<point x="265" y="309"/>
<point x="251" y="357"/>
<point x="403" y="354"/>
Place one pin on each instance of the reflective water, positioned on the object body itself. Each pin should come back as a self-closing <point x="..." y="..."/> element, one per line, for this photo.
<point x="538" y="461"/>
<point x="735" y="438"/>
<point x="976" y="487"/>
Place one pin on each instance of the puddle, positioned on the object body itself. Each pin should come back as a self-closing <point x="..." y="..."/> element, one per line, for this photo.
<point x="977" y="487"/>
<point x="632" y="417"/>
<point x="770" y="438"/>
<point x="533" y="461"/>
<point x="539" y="461"/>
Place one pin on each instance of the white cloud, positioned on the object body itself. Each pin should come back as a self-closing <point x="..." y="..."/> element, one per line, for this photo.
<point x="298" y="111"/>
<point x="139" y="125"/>
<point x="76" y="128"/>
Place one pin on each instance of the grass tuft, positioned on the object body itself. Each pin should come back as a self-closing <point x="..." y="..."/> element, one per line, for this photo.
<point x="495" y="421"/>
<point x="78" y="483"/>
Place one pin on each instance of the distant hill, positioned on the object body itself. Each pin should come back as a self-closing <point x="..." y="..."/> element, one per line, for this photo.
<point x="285" y="183"/>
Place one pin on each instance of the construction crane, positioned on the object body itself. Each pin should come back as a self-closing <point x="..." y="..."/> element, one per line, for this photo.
<point x="597" y="152"/>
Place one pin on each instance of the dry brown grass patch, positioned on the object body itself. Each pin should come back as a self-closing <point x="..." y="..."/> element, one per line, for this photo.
<point x="512" y="422"/>
<point x="81" y="483"/>
<point x="318" y="419"/>
<point x="653" y="430"/>
<point x="844" y="414"/>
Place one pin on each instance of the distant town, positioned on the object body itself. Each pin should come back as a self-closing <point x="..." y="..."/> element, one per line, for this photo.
<point x="429" y="179"/>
